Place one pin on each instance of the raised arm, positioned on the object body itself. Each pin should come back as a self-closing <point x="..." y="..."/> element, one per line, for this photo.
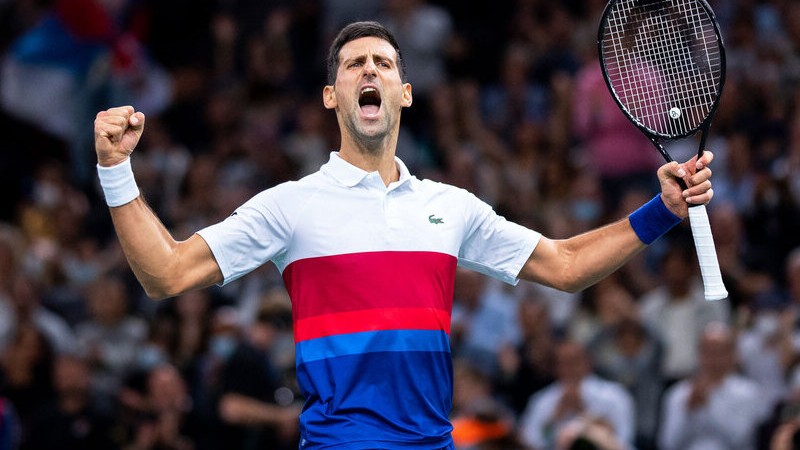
<point x="578" y="262"/>
<point x="165" y="267"/>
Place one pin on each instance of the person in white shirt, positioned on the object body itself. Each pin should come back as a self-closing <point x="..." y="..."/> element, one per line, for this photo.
<point x="368" y="253"/>
<point x="716" y="408"/>
<point x="678" y="312"/>
<point x="576" y="394"/>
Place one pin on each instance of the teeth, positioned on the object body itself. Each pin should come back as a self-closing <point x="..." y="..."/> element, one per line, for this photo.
<point x="368" y="89"/>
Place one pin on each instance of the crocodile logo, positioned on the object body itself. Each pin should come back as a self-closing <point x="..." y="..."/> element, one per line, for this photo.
<point x="435" y="220"/>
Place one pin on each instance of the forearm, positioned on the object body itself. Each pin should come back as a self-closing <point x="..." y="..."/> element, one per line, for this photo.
<point x="594" y="255"/>
<point x="148" y="246"/>
<point x="238" y="409"/>
<point x="576" y="263"/>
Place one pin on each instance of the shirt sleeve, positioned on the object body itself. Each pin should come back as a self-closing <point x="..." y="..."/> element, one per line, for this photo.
<point x="493" y="245"/>
<point x="254" y="234"/>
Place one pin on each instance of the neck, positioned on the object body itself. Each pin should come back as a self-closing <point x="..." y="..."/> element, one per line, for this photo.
<point x="379" y="158"/>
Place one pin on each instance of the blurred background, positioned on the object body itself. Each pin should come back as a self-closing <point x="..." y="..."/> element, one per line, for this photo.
<point x="509" y="102"/>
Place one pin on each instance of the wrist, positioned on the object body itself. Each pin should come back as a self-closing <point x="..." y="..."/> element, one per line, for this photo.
<point x="118" y="183"/>
<point x="112" y="161"/>
<point x="652" y="220"/>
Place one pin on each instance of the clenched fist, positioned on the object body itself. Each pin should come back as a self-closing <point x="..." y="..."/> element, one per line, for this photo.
<point x="116" y="133"/>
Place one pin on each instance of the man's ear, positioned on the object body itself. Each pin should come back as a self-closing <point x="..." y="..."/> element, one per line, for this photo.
<point x="329" y="97"/>
<point x="407" y="99"/>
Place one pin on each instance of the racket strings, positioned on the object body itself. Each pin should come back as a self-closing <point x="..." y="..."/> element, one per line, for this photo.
<point x="663" y="61"/>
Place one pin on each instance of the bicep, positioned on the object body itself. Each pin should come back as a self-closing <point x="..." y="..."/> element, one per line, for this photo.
<point x="544" y="263"/>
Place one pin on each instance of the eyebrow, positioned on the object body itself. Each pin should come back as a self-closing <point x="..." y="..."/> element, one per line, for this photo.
<point x="375" y="57"/>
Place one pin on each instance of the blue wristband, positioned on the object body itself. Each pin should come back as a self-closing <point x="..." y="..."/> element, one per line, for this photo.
<point x="652" y="220"/>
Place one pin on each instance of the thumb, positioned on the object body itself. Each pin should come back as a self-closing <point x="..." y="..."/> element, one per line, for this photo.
<point x="133" y="132"/>
<point x="136" y="123"/>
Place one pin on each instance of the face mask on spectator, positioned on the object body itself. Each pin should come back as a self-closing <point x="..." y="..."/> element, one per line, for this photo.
<point x="222" y="346"/>
<point x="150" y="356"/>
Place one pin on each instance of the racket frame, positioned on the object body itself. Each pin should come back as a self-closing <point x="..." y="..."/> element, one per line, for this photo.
<point x="657" y="137"/>
<point x="698" y="216"/>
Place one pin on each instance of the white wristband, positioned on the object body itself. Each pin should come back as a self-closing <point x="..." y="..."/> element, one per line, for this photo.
<point x="118" y="183"/>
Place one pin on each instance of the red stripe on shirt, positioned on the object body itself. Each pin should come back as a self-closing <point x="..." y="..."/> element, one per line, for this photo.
<point x="369" y="281"/>
<point x="372" y="320"/>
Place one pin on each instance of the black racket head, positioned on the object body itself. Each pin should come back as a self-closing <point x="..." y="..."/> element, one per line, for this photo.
<point x="664" y="63"/>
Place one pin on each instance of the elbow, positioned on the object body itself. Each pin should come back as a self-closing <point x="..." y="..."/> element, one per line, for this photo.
<point x="160" y="289"/>
<point x="575" y="281"/>
<point x="573" y="274"/>
<point x="572" y="285"/>
<point x="156" y="294"/>
<point x="572" y="280"/>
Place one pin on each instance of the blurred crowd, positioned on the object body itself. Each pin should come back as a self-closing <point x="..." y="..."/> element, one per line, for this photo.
<point x="509" y="102"/>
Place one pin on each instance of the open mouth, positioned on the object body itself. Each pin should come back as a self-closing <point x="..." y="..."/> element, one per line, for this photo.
<point x="369" y="101"/>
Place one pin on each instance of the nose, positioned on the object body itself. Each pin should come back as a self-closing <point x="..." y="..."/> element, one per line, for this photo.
<point x="370" y="69"/>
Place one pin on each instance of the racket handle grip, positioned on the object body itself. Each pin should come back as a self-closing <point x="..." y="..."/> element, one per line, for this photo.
<point x="706" y="253"/>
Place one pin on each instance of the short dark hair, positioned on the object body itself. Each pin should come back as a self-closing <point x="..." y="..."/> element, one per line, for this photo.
<point x="355" y="31"/>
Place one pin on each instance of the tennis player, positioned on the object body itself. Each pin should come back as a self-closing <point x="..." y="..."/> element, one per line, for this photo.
<point x="368" y="254"/>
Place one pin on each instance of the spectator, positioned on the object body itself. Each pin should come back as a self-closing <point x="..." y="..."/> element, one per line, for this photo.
<point x="514" y="100"/>
<point x="604" y="305"/>
<point x="527" y="367"/>
<point x="611" y="145"/>
<point x="768" y="348"/>
<point x="483" y="319"/>
<point x="479" y="419"/>
<point x="26" y="369"/>
<point x="630" y="354"/>
<point x="744" y="277"/>
<point x="167" y="420"/>
<point x="423" y="31"/>
<point x="270" y="332"/>
<point x="71" y="420"/>
<point x="593" y="434"/>
<point x="576" y="393"/>
<point x="244" y="391"/>
<point x="191" y="322"/>
<point x="23" y="307"/>
<point x="678" y="312"/>
<point x="111" y="337"/>
<point x="715" y="408"/>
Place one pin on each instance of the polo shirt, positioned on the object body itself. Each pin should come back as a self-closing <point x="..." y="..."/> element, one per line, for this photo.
<point x="370" y="270"/>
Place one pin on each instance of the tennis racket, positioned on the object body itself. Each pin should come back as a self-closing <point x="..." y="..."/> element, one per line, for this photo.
<point x="664" y="63"/>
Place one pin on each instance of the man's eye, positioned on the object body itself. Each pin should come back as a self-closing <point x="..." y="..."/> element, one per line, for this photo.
<point x="355" y="64"/>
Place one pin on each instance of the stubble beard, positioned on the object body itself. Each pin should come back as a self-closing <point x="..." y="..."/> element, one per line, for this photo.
<point x="369" y="138"/>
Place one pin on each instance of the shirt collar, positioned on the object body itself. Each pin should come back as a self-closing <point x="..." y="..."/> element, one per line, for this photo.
<point x="350" y="175"/>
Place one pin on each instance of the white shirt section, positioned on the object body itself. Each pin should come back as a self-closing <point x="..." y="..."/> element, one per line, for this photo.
<point x="728" y="421"/>
<point x="601" y="398"/>
<point x="342" y="210"/>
